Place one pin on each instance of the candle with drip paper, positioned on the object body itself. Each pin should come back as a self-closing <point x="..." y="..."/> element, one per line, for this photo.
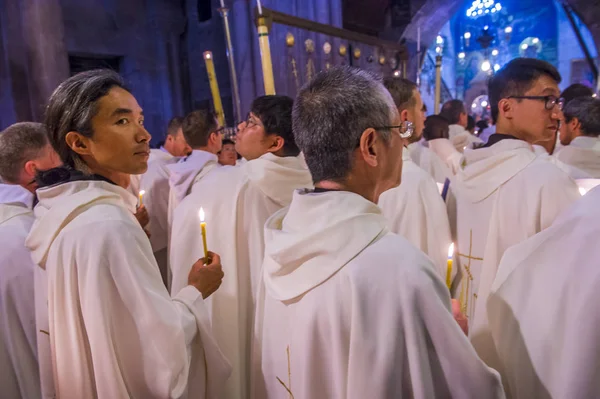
<point x="203" y="229"/>
<point x="214" y="86"/>
<point x="140" y="196"/>
<point x="449" y="270"/>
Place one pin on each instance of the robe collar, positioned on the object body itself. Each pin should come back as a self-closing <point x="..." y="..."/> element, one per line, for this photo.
<point x="14" y="194"/>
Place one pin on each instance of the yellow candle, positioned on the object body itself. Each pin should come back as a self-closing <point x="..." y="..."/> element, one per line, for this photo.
<point x="141" y="195"/>
<point x="449" y="270"/>
<point x="214" y="87"/>
<point x="203" y="229"/>
<point x="265" y="55"/>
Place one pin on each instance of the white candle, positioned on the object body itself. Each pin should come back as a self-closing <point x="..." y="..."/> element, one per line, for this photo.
<point x="418" y="39"/>
<point x="259" y="7"/>
<point x="222" y="4"/>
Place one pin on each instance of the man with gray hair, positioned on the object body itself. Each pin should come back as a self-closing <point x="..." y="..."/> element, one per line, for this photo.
<point x="580" y="136"/>
<point x="347" y="309"/>
<point x="24" y="150"/>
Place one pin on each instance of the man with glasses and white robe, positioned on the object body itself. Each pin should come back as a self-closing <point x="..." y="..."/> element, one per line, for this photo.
<point x="505" y="194"/>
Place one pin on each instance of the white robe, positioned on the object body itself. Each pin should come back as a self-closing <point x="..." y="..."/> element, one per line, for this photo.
<point x="462" y="139"/>
<point x="155" y="183"/>
<point x="415" y="210"/>
<point x="19" y="374"/>
<point x="161" y="155"/>
<point x="543" y="308"/>
<point x="437" y="157"/>
<point x="237" y="202"/>
<point x="584" y="154"/>
<point x="349" y="310"/>
<point x="114" y="330"/>
<point x="504" y="195"/>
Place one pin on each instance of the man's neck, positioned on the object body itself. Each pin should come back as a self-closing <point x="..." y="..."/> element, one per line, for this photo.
<point x="120" y="179"/>
<point x="365" y="192"/>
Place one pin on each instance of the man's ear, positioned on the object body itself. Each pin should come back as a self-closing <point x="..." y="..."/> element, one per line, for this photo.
<point x="30" y="169"/>
<point x="404" y="115"/>
<point x="78" y="143"/>
<point x="367" y="146"/>
<point x="505" y="108"/>
<point x="277" y="143"/>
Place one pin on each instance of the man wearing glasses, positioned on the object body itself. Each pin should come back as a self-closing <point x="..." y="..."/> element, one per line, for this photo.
<point x="237" y="203"/>
<point x="504" y="193"/>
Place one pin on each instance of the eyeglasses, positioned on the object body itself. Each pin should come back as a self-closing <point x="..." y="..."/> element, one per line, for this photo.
<point x="249" y="122"/>
<point x="549" y="101"/>
<point x="406" y="129"/>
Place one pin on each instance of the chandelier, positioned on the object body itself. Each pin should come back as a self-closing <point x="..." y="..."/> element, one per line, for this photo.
<point x="480" y="8"/>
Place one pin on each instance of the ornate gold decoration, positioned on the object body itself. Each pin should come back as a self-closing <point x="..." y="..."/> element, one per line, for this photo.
<point x="464" y="296"/>
<point x="356" y="53"/>
<point x="343" y="50"/>
<point x="289" y="39"/>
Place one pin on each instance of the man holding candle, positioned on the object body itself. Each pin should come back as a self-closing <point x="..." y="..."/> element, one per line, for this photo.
<point x="115" y="331"/>
<point x="504" y="193"/>
<point x="348" y="309"/>
<point x="237" y="202"/>
<point x="415" y="209"/>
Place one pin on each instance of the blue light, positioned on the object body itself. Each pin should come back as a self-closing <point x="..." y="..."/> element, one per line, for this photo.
<point x="479" y="8"/>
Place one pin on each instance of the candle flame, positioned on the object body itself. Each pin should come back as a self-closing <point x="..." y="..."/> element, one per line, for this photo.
<point x="451" y="251"/>
<point x="142" y="192"/>
<point x="582" y="191"/>
<point x="201" y="214"/>
<point x="207" y="55"/>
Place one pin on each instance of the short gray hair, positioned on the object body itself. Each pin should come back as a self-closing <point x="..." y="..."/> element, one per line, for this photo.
<point x="587" y="112"/>
<point x="20" y="143"/>
<point x="330" y="114"/>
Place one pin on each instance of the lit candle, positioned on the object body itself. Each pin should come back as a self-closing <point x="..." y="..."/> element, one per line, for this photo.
<point x="203" y="228"/>
<point x="259" y="7"/>
<point x="214" y="86"/>
<point x="418" y="40"/>
<point x="141" y="195"/>
<point x="449" y="270"/>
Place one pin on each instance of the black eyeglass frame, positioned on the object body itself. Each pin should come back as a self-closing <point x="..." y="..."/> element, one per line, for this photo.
<point x="549" y="101"/>
<point x="405" y="129"/>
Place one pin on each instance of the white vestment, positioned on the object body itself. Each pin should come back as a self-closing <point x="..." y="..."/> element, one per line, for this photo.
<point x="349" y="310"/>
<point x="114" y="330"/>
<point x="155" y="183"/>
<point x="415" y="210"/>
<point x="427" y="160"/>
<point x="461" y="138"/>
<point x="543" y="308"/>
<point x="504" y="195"/>
<point x="584" y="154"/>
<point x="19" y="374"/>
<point x="184" y="175"/>
<point x="237" y="202"/>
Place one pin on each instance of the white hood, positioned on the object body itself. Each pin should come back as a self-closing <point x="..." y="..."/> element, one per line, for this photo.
<point x="488" y="168"/>
<point x="315" y="237"/>
<point x="278" y="177"/>
<point x="62" y="203"/>
<point x="592" y="143"/>
<point x="461" y="138"/>
<point x="16" y="200"/>
<point x="183" y="173"/>
<point x="159" y="153"/>
<point x="443" y="148"/>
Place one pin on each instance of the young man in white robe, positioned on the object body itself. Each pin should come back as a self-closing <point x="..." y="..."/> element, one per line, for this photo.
<point x="115" y="332"/>
<point x="580" y="136"/>
<point x="455" y="113"/>
<point x="155" y="185"/>
<point x="237" y="201"/>
<point x="505" y="193"/>
<point x="173" y="148"/>
<point x="415" y="209"/>
<point x="26" y="371"/>
<point x="436" y="154"/>
<point x="551" y="351"/>
<point x="348" y="309"/>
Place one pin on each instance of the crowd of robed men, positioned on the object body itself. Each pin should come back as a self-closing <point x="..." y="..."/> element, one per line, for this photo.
<point x="328" y="272"/>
